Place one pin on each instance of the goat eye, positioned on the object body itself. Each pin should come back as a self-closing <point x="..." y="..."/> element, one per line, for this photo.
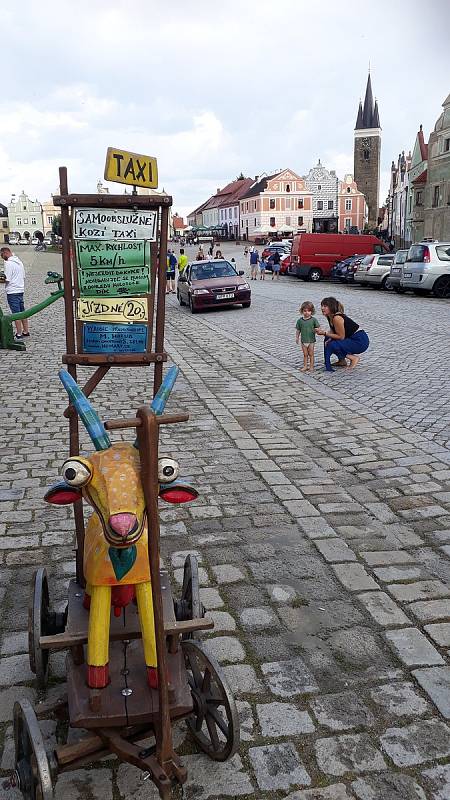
<point x="168" y="470"/>
<point x="75" y="473"/>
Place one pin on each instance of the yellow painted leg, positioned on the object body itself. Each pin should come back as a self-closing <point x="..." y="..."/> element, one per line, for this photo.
<point x="146" y="617"/>
<point x="98" y="637"/>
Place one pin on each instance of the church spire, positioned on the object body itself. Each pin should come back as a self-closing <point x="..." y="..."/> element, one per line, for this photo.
<point x="368" y="105"/>
<point x="359" y="118"/>
<point x="376" y="117"/>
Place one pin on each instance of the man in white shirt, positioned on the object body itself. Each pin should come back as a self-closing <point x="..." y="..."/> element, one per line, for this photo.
<point x="15" y="286"/>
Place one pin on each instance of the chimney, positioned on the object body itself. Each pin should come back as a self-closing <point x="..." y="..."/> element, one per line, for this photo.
<point x="218" y="190"/>
<point x="256" y="178"/>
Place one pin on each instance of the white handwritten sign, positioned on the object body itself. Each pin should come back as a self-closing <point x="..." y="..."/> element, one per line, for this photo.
<point x="114" y="224"/>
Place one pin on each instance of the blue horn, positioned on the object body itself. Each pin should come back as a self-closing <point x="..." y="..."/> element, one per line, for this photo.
<point x="161" y="397"/>
<point x="86" y="412"/>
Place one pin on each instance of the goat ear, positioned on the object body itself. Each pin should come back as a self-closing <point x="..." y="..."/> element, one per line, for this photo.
<point x="61" y="494"/>
<point x="177" y="493"/>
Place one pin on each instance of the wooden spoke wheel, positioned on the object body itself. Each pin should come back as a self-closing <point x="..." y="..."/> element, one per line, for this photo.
<point x="190" y="605"/>
<point x="31" y="761"/>
<point x="42" y="621"/>
<point x="214" y="722"/>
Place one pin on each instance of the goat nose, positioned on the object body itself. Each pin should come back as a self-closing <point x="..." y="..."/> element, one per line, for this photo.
<point x="122" y="524"/>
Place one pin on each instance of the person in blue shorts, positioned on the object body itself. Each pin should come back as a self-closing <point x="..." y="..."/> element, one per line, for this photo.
<point x="345" y="338"/>
<point x="14" y="278"/>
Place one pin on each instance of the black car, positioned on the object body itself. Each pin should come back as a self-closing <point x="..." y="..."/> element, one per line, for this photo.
<point x="343" y="271"/>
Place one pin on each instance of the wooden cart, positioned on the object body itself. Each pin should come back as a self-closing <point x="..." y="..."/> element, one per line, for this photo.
<point x="120" y="717"/>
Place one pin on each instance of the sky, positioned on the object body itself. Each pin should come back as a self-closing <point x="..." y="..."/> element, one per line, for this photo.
<point x="211" y="89"/>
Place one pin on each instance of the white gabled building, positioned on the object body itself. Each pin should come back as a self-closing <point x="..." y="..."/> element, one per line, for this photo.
<point x="275" y="203"/>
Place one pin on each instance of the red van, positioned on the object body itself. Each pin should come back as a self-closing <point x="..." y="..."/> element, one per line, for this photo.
<point x="313" y="255"/>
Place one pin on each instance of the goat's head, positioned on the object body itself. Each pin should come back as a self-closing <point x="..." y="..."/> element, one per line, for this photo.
<point x="110" y="479"/>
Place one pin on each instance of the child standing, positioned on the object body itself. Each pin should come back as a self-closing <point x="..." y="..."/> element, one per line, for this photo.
<point x="262" y="269"/>
<point x="306" y="331"/>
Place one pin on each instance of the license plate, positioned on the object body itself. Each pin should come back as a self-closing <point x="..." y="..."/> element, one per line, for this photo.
<point x="225" y="296"/>
<point x="407" y="274"/>
<point x="395" y="270"/>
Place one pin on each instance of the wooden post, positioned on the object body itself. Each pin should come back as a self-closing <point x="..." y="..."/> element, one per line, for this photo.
<point x="148" y="436"/>
<point x="161" y="307"/>
<point x="74" y="437"/>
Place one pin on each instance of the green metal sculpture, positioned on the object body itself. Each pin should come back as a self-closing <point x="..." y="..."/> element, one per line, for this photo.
<point x="7" y="340"/>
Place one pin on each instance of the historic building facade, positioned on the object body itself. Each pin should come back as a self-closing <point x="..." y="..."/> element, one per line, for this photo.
<point x="399" y="193"/>
<point x="352" y="206"/>
<point x="276" y="203"/>
<point x="437" y="192"/>
<point x="367" y="152"/>
<point x="4" y="224"/>
<point x="417" y="178"/>
<point x="25" y="216"/>
<point x="324" y="186"/>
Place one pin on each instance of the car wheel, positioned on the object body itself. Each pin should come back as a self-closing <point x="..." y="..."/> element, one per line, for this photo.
<point x="441" y="287"/>
<point x="181" y="302"/>
<point x="385" y="283"/>
<point x="315" y="274"/>
<point x="247" y="305"/>
<point x="191" y="306"/>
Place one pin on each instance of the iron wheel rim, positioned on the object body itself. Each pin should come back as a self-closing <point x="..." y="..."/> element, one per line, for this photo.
<point x="31" y="761"/>
<point x="214" y="705"/>
<point x="38" y="614"/>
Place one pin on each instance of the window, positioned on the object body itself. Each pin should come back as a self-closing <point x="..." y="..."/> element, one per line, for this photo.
<point x="348" y="190"/>
<point x="288" y="188"/>
<point x="272" y="203"/>
<point x="24" y="208"/>
<point x="319" y="187"/>
<point x="330" y="205"/>
<point x="348" y="205"/>
<point x="320" y="205"/>
<point x="19" y="220"/>
<point x="5" y="223"/>
<point x="348" y="223"/>
<point x="446" y="145"/>
<point x="435" y="197"/>
<point x="288" y="221"/>
<point x="443" y="253"/>
<point x="25" y="220"/>
<point x="300" y="203"/>
<point x="299" y="220"/>
<point x="230" y="213"/>
<point x="33" y="220"/>
<point x="272" y="222"/>
<point x="366" y="155"/>
<point x="419" y="196"/>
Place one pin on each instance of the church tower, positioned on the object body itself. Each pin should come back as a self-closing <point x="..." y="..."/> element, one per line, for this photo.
<point x="367" y="153"/>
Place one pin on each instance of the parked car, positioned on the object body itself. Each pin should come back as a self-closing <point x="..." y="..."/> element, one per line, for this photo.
<point x="211" y="284"/>
<point x="375" y="270"/>
<point x="35" y="240"/>
<point x="315" y="254"/>
<point x="282" y="249"/>
<point x="24" y="241"/>
<point x="285" y="264"/>
<point x="397" y="271"/>
<point x="343" y="269"/>
<point x="427" y="268"/>
<point x="13" y="240"/>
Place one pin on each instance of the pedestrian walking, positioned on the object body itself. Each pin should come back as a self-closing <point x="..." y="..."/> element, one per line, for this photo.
<point x="182" y="262"/>
<point x="276" y="259"/>
<point x="254" y="261"/>
<point x="345" y="338"/>
<point x="305" y="331"/>
<point x="14" y="278"/>
<point x="170" y="274"/>
<point x="262" y="269"/>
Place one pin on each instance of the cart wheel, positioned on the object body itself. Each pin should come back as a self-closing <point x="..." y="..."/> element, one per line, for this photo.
<point x="31" y="762"/>
<point x="41" y="622"/>
<point x="214" y="722"/>
<point x="190" y="606"/>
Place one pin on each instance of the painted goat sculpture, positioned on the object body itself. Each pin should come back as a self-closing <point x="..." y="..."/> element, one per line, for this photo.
<point x="116" y="561"/>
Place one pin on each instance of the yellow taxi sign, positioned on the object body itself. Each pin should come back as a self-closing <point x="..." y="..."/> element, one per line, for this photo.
<point x="133" y="169"/>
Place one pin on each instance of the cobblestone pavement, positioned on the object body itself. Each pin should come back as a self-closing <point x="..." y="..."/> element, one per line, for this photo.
<point x="323" y="532"/>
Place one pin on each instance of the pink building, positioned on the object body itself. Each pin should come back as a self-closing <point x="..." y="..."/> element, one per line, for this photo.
<point x="352" y="206"/>
<point x="276" y="204"/>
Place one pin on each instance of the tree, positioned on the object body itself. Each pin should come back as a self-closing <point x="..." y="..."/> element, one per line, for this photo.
<point x="56" y="225"/>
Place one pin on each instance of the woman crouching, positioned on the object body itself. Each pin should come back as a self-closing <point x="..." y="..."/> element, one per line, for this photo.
<point x="345" y="339"/>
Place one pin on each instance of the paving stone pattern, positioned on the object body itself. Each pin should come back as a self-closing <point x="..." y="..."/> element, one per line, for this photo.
<point x="322" y="528"/>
